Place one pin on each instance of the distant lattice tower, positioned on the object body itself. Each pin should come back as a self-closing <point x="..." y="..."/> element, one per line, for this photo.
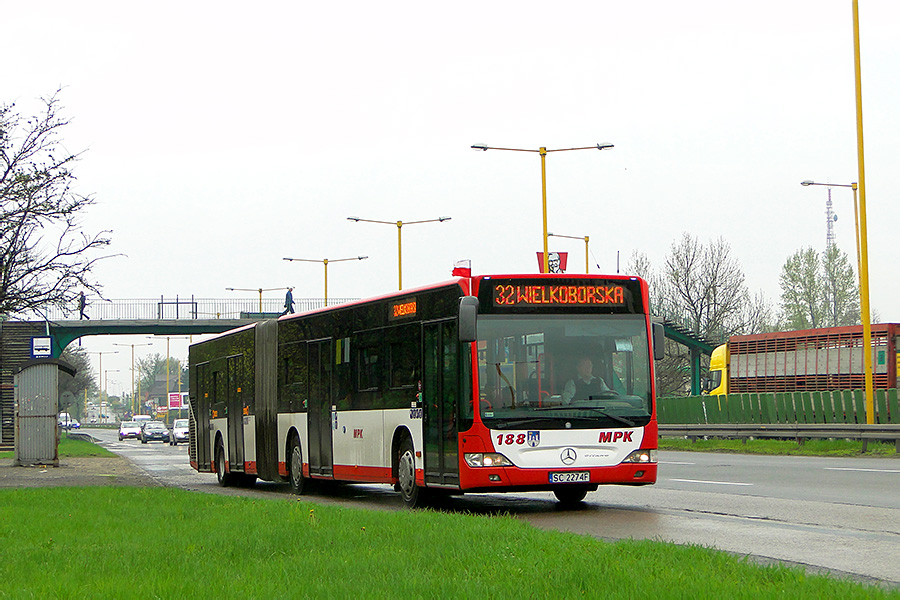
<point x="830" y="218"/>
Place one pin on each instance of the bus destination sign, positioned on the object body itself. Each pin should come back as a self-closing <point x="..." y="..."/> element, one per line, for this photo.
<point x="549" y="294"/>
<point x="405" y="308"/>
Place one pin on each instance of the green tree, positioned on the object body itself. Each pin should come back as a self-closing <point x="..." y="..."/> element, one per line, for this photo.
<point x="841" y="289"/>
<point x="818" y="290"/>
<point x="45" y="257"/>
<point x="72" y="390"/>
<point x="152" y="368"/>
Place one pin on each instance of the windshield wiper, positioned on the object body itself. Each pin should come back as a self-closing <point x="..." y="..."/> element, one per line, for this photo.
<point x="520" y="422"/>
<point x="628" y="422"/>
<point x="622" y="420"/>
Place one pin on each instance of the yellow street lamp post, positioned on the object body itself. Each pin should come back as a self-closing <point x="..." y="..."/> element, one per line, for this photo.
<point x="325" y="262"/>
<point x="100" y="370"/>
<point x="586" y="239"/>
<point x="399" y="225"/>
<point x="168" y="389"/>
<point x="133" y="403"/>
<point x="543" y="152"/>
<point x="105" y="382"/>
<point x="862" y="270"/>
<point x="864" y="251"/>
<point x="260" y="290"/>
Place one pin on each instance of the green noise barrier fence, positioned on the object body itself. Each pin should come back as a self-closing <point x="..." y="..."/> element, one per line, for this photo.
<point x="789" y="408"/>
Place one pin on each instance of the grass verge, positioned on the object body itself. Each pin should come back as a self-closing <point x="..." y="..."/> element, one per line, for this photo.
<point x="812" y="447"/>
<point x="165" y="542"/>
<point x="70" y="447"/>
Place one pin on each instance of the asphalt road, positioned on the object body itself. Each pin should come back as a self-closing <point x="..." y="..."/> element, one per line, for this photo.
<point x="840" y="515"/>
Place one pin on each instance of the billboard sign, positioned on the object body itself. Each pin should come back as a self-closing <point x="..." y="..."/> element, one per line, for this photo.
<point x="177" y="400"/>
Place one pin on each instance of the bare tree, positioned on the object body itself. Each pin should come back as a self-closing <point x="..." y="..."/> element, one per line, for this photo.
<point x="705" y="288"/>
<point x="45" y="257"/>
<point x="702" y="288"/>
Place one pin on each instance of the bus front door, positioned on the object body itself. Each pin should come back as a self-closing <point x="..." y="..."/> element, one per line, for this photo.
<point x="319" y="413"/>
<point x="440" y="391"/>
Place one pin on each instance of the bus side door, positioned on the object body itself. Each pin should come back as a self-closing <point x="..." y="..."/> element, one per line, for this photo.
<point x="235" y="412"/>
<point x="319" y="414"/>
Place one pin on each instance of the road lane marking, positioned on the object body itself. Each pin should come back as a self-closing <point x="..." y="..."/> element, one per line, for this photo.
<point x="710" y="482"/>
<point x="862" y="470"/>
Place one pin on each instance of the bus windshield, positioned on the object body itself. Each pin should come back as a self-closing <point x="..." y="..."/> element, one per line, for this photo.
<point x="563" y="371"/>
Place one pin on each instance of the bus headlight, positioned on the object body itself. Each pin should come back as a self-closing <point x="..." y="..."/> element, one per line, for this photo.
<point x="643" y="455"/>
<point x="487" y="459"/>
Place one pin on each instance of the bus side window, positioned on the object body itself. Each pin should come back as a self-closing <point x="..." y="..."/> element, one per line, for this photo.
<point x="404" y="369"/>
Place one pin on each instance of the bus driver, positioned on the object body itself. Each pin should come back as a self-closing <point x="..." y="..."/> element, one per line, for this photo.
<point x="585" y="384"/>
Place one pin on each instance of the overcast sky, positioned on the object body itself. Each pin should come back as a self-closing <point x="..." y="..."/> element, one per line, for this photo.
<point x="220" y="137"/>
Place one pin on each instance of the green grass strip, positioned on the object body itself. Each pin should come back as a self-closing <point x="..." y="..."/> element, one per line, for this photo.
<point x="107" y="542"/>
<point x="70" y="447"/>
<point x="811" y="447"/>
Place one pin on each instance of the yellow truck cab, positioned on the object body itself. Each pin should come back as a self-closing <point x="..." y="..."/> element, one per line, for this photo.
<point x="718" y="371"/>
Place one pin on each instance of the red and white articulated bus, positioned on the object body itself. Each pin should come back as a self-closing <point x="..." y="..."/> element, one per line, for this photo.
<point x="479" y="384"/>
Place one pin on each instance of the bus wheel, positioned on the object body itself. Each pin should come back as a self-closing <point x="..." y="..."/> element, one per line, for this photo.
<point x="406" y="475"/>
<point x="570" y="494"/>
<point x="298" y="482"/>
<point x="224" y="478"/>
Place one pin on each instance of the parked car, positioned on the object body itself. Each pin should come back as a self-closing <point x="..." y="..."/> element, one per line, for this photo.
<point x="129" y="429"/>
<point x="154" y="430"/>
<point x="179" y="432"/>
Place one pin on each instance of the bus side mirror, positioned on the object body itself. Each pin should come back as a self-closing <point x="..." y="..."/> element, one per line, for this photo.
<point x="468" y="317"/>
<point x="659" y="341"/>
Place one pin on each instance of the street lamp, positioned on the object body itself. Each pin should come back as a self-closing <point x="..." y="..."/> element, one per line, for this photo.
<point x="133" y="403"/>
<point x="105" y="382"/>
<point x="399" y="225"/>
<point x="864" y="251"/>
<point x="862" y="268"/>
<point x="855" y="216"/>
<point x="586" y="239"/>
<point x="100" y="368"/>
<point x="260" y="290"/>
<point x="168" y="338"/>
<point x="325" y="262"/>
<point x="543" y="152"/>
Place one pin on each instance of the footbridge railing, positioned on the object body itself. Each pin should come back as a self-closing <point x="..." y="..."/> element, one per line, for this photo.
<point x="186" y="308"/>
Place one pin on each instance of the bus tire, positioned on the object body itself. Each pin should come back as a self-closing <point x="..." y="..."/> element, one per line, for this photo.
<point x="570" y="495"/>
<point x="413" y="496"/>
<point x="224" y="479"/>
<point x="295" y="467"/>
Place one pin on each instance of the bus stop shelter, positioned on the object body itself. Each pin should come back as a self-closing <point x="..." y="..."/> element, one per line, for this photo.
<point x="37" y="406"/>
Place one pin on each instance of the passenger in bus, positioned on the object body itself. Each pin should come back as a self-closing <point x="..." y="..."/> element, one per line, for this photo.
<point x="584" y="384"/>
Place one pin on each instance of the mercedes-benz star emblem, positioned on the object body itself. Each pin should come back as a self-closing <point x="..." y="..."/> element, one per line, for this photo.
<point x="568" y="456"/>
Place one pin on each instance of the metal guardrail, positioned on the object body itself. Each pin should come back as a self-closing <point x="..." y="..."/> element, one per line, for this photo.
<point x="184" y="308"/>
<point x="797" y="431"/>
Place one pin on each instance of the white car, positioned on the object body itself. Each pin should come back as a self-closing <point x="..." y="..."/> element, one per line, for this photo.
<point x="67" y="421"/>
<point x="129" y="429"/>
<point x="179" y="433"/>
